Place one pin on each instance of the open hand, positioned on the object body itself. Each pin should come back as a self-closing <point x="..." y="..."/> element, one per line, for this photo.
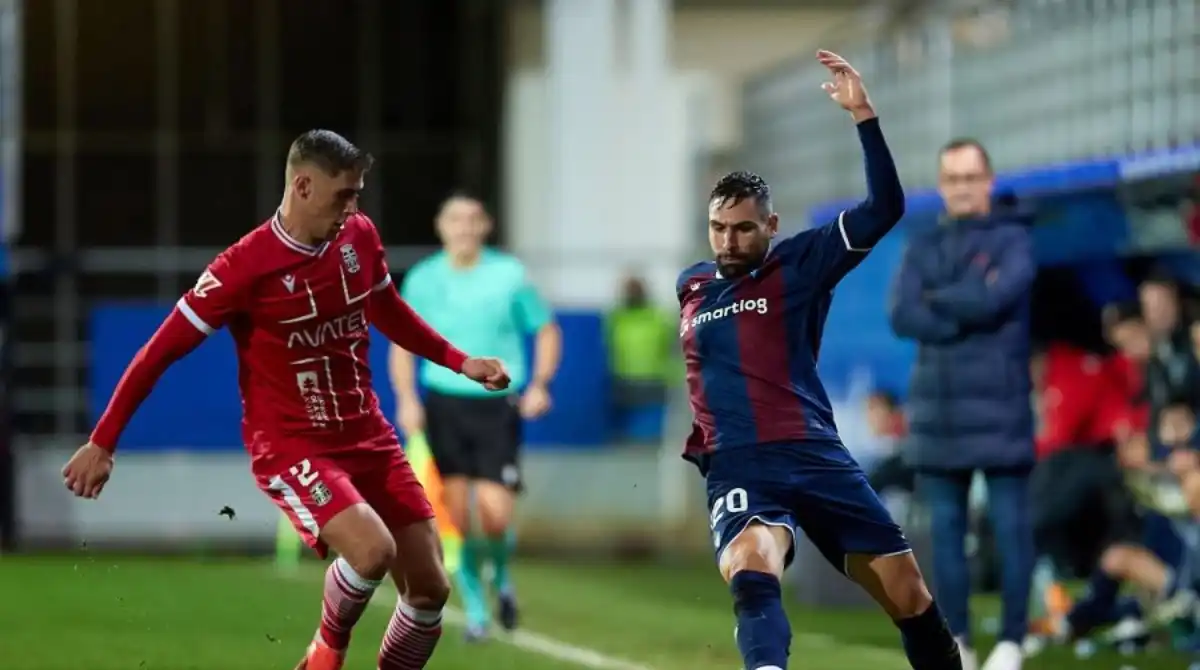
<point x="487" y="371"/>
<point x="535" y="401"/>
<point x="847" y="88"/>
<point x="88" y="471"/>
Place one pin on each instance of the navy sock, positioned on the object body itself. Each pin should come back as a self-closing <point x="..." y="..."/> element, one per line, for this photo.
<point x="928" y="642"/>
<point x="1097" y="605"/>
<point x="1103" y="588"/>
<point x="763" y="633"/>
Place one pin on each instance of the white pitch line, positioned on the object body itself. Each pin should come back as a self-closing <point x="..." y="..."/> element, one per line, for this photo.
<point x="543" y="645"/>
<point x="583" y="657"/>
<point x="590" y="658"/>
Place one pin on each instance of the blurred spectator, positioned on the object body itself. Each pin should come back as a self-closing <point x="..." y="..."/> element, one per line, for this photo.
<point x="1159" y="296"/>
<point x="1177" y="426"/>
<point x="1079" y="493"/>
<point x="1171" y="370"/>
<point x="1179" y="435"/>
<point x="641" y="346"/>
<point x="1140" y="546"/>
<point x="1148" y="553"/>
<point x="963" y="294"/>
<point x="887" y="472"/>
<point x="1158" y="564"/>
<point x="1127" y="332"/>
<point x="885" y="419"/>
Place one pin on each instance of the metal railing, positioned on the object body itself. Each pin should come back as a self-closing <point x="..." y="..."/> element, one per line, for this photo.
<point x="10" y="116"/>
<point x="1038" y="81"/>
<point x="52" y="352"/>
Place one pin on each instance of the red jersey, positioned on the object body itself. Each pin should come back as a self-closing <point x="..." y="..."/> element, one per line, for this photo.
<point x="298" y="316"/>
<point x="1132" y="386"/>
<point x="1083" y="401"/>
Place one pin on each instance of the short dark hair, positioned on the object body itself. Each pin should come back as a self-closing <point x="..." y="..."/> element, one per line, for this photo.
<point x="738" y="186"/>
<point x="967" y="142"/>
<point x="1179" y="400"/>
<point x="1160" y="277"/>
<point x="328" y="151"/>
<point x="463" y="194"/>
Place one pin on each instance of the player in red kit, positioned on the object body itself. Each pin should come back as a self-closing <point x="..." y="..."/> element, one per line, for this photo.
<point x="297" y="294"/>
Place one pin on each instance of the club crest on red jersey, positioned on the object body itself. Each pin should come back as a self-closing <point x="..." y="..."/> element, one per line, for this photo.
<point x="321" y="495"/>
<point x="350" y="258"/>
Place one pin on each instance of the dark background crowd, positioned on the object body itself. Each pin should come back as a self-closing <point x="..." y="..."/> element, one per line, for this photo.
<point x="1115" y="490"/>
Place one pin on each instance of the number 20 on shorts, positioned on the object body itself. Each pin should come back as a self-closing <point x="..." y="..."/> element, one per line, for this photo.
<point x="734" y="502"/>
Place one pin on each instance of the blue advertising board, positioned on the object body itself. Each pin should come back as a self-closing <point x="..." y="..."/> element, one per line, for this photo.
<point x="196" y="404"/>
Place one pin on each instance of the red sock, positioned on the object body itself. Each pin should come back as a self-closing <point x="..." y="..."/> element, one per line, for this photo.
<point x="346" y="598"/>
<point x="410" y="639"/>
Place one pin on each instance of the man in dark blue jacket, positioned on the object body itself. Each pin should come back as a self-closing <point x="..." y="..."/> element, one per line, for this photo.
<point x="964" y="295"/>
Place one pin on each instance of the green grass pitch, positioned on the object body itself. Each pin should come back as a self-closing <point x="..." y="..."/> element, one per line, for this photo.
<point x="118" y="613"/>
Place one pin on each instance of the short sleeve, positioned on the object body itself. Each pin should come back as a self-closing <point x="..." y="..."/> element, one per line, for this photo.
<point x="381" y="274"/>
<point x="219" y="293"/>
<point x="532" y="313"/>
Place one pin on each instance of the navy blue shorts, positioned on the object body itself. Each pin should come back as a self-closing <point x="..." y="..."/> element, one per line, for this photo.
<point x="814" y="486"/>
<point x="1177" y="543"/>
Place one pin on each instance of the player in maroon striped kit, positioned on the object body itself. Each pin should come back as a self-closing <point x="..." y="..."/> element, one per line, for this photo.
<point x="763" y="433"/>
<point x="297" y="294"/>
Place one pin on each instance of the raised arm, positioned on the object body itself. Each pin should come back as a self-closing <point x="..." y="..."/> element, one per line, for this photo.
<point x="867" y="223"/>
<point x="835" y="249"/>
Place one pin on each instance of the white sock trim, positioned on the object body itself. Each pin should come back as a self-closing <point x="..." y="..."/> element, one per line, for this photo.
<point x="423" y="617"/>
<point x="355" y="580"/>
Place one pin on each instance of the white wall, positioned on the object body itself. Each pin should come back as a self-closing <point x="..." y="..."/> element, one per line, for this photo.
<point x="722" y="45"/>
<point x="589" y="498"/>
<point x="571" y="266"/>
<point x="574" y="498"/>
<point x="650" y="186"/>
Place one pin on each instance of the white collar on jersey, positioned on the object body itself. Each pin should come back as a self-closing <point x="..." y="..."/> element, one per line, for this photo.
<point x="291" y="242"/>
<point x="753" y="273"/>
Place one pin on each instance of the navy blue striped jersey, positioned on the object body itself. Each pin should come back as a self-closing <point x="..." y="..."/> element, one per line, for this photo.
<point x="751" y="343"/>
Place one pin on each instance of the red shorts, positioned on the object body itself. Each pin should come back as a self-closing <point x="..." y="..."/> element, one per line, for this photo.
<point x="312" y="490"/>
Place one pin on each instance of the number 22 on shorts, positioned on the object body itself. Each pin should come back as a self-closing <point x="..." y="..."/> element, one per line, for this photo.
<point x="734" y="502"/>
<point x="304" y="473"/>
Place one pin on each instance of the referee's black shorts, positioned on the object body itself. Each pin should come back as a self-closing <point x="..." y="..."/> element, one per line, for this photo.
<point x="475" y="437"/>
